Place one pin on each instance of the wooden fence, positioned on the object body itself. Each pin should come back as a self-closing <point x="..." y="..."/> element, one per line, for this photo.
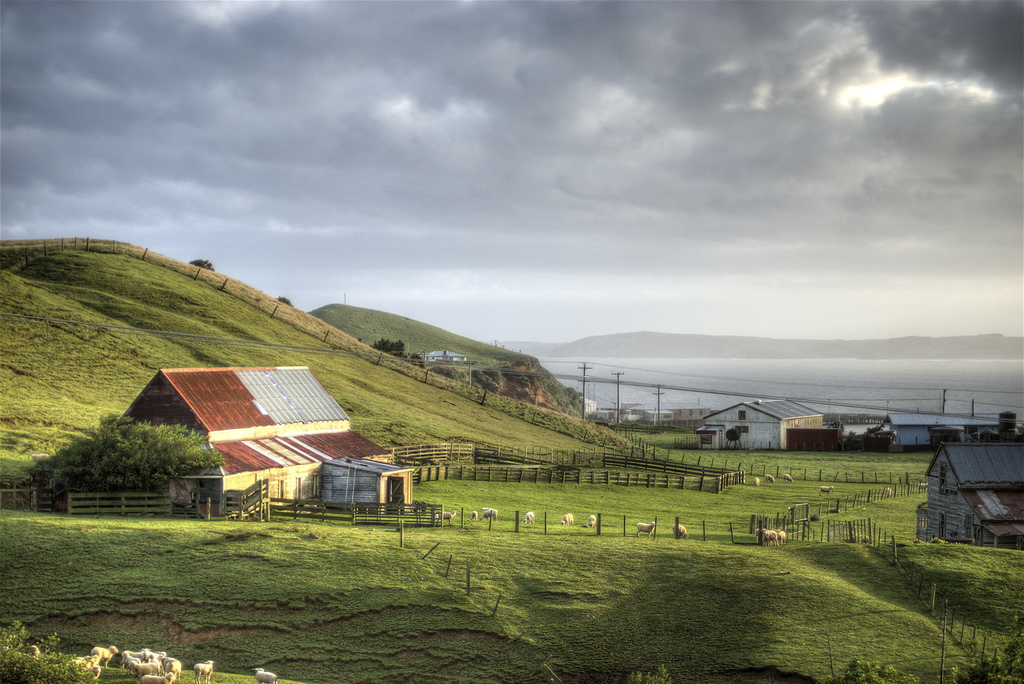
<point x="118" y="503"/>
<point x="542" y="475"/>
<point x="40" y="500"/>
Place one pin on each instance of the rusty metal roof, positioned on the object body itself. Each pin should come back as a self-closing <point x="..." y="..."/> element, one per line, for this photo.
<point x="247" y="455"/>
<point x="236" y="398"/>
<point x="996" y="505"/>
<point x="986" y="463"/>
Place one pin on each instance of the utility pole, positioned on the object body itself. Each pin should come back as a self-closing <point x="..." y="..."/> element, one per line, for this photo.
<point x="583" y="406"/>
<point x="657" y="417"/>
<point x="618" y="406"/>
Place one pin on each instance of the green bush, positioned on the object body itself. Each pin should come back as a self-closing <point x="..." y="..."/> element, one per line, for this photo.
<point x="859" y="672"/>
<point x="659" y="677"/>
<point x="1004" y="668"/>
<point x="19" y="665"/>
<point x="122" y="455"/>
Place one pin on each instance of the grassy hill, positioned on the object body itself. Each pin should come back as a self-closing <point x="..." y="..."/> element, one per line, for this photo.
<point x="497" y="369"/>
<point x="60" y="377"/>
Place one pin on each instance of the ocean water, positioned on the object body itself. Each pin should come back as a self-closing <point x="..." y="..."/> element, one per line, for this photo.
<point x="830" y="385"/>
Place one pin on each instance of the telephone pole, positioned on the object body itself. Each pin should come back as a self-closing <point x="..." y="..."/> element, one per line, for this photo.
<point x="618" y="406"/>
<point x="583" y="402"/>
<point x="657" y="416"/>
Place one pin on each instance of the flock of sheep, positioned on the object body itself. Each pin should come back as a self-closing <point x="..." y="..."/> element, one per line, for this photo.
<point x="568" y="520"/>
<point x="766" y="537"/>
<point x="155" y="667"/>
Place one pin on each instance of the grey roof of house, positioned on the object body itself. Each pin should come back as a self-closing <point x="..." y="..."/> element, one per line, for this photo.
<point x="942" y="419"/>
<point x="996" y="463"/>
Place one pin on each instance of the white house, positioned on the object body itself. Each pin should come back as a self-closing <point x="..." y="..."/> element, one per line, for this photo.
<point x="760" y="424"/>
<point x="445" y="357"/>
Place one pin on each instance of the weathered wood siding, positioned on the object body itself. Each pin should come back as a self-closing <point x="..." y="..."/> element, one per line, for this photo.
<point x="343" y="484"/>
<point x="949" y="514"/>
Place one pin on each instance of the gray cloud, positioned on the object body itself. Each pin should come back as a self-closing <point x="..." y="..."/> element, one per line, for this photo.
<point x="561" y="160"/>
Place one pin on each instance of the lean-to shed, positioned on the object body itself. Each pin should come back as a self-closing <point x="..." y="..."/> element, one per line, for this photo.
<point x="274" y="424"/>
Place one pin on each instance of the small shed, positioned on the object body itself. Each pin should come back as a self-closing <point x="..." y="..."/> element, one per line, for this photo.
<point x="354" y="480"/>
<point x="976" y="495"/>
<point x="760" y="424"/>
<point x="926" y="430"/>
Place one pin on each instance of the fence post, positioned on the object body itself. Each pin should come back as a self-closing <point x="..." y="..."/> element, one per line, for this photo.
<point x="467" y="581"/>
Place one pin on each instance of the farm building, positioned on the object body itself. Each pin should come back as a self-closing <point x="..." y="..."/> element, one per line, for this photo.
<point x="976" y="495"/>
<point x="445" y="357"/>
<point x="761" y="424"/>
<point x="909" y="430"/>
<point x="269" y="424"/>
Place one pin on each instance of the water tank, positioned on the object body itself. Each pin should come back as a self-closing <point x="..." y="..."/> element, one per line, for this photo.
<point x="1007" y="425"/>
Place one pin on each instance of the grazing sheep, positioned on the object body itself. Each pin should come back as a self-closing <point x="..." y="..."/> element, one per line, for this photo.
<point x="204" y="671"/>
<point x="172" y="666"/>
<point x="592" y="521"/>
<point x="530" y="517"/>
<point x="815" y="517"/>
<point x="757" y="482"/>
<point x="490" y="513"/>
<point x="645" y="527"/>
<point x="781" y="536"/>
<point x="264" y="677"/>
<point x="127" y="660"/>
<point x="104" y="654"/>
<point x="126" y="655"/>
<point x="568" y="520"/>
<point x="474" y="516"/>
<point x="769" y="479"/>
<point x="680" y="532"/>
<point x="156" y="679"/>
<point x="141" y="669"/>
<point x="771" y="537"/>
<point x="39" y="458"/>
<point x="826" y="490"/>
<point x="787" y="478"/>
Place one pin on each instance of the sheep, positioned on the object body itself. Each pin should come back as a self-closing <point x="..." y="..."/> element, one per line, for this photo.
<point x="129" y="655"/>
<point x="592" y="521"/>
<point x="757" y="482"/>
<point x="87" y="662"/>
<point x="782" y="536"/>
<point x="264" y="677"/>
<point x="770" y="479"/>
<point x="156" y="679"/>
<point x="39" y="458"/>
<point x="127" y="660"/>
<point x="826" y="490"/>
<point x="96" y="671"/>
<point x="787" y="478"/>
<point x="105" y="654"/>
<point x="448" y="516"/>
<point x="490" y="513"/>
<point x="172" y="666"/>
<point x="474" y="516"/>
<point x="204" y="671"/>
<point x="529" y="518"/>
<point x="645" y="527"/>
<point x="568" y="520"/>
<point x="771" y="537"/>
<point x="140" y="669"/>
<point x="680" y="532"/>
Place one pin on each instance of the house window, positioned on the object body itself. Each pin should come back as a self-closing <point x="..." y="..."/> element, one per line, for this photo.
<point x="942" y="479"/>
<point x="705" y="439"/>
<point x="942" y="525"/>
<point x="743" y="415"/>
<point x="742" y="428"/>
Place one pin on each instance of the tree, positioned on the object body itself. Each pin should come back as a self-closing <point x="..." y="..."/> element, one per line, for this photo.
<point x="285" y="300"/>
<point x="1004" y="668"/>
<point x="202" y="263"/>
<point x="124" y="455"/>
<point x="19" y="665"/>
<point x="396" y="348"/>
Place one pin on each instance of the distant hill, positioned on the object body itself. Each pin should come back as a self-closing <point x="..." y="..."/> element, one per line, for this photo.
<point x="669" y="345"/>
<point x="370" y="325"/>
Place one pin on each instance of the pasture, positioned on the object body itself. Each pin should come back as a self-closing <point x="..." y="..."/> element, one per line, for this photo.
<point x="334" y="603"/>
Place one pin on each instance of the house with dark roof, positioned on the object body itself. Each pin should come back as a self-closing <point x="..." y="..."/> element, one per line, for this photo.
<point x="976" y="495"/>
<point x="760" y="424"/>
<point x="276" y="425"/>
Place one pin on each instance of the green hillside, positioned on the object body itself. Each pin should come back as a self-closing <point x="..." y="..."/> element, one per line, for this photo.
<point x="496" y="369"/>
<point x="60" y="377"/>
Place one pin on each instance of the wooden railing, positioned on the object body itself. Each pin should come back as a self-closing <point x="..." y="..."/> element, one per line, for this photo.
<point x="119" y="503"/>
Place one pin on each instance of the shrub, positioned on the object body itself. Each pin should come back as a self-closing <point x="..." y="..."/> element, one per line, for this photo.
<point x="19" y="666"/>
<point x="859" y="672"/>
<point x="1004" y="668"/>
<point x="396" y="348"/>
<point x="659" y="677"/>
<point x="124" y="455"/>
<point x="202" y="263"/>
<point x="285" y="300"/>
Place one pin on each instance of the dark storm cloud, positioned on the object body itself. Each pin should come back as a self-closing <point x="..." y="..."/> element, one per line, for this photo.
<point x="671" y="152"/>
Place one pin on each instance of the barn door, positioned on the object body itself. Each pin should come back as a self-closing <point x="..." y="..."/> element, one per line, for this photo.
<point x="396" y="490"/>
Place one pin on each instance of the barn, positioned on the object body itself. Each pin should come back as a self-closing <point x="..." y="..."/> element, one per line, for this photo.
<point x="760" y="424"/>
<point x="277" y="425"/>
<point x="976" y="495"/>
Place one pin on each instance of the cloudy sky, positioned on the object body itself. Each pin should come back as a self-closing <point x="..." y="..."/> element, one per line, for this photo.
<point x="542" y="170"/>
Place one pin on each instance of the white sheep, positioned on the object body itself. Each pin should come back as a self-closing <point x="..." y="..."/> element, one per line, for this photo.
<point x="826" y="490"/>
<point x="203" y="671"/>
<point x="529" y="518"/>
<point x="129" y="655"/>
<point x="770" y="537"/>
<point x="769" y="479"/>
<point x="490" y="513"/>
<point x="156" y="679"/>
<point x="787" y="477"/>
<point x="592" y="521"/>
<point x="568" y="520"/>
<point x="680" y="532"/>
<point x="757" y="482"/>
<point x="264" y="677"/>
<point x="448" y="516"/>
<point x="141" y="669"/>
<point x="87" y="662"/>
<point x="104" y="654"/>
<point x="780" y="537"/>
<point x="96" y="671"/>
<point x="645" y="527"/>
<point x="474" y="516"/>
<point x="171" y="666"/>
<point x="39" y="458"/>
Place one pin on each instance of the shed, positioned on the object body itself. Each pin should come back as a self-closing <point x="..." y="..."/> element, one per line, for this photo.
<point x="354" y="480"/>
<point x="760" y="424"/>
<point x="976" y="495"/>
<point x="926" y="430"/>
<point x="274" y="424"/>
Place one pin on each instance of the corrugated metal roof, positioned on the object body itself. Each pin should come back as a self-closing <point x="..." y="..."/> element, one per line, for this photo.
<point x="996" y="504"/>
<point x="776" y="408"/>
<point x="942" y="419"/>
<point x="996" y="463"/>
<point x="236" y="398"/>
<point x="281" y="452"/>
<point x="364" y="465"/>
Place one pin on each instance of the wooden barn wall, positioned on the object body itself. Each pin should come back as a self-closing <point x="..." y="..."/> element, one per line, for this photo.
<point x="296" y="482"/>
<point x="340" y="484"/>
